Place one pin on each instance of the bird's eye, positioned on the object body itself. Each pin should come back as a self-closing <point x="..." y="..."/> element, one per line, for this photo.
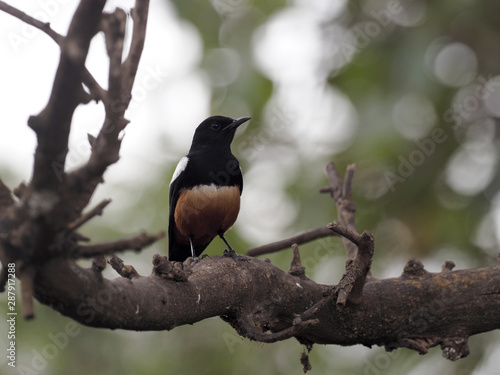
<point x="215" y="126"/>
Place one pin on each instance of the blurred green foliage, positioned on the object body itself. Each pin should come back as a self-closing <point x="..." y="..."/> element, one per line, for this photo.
<point x="421" y="216"/>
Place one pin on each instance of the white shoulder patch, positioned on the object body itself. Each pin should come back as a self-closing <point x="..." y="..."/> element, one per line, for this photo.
<point x="180" y="168"/>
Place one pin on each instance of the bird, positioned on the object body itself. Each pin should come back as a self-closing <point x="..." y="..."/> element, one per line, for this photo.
<point x="205" y="190"/>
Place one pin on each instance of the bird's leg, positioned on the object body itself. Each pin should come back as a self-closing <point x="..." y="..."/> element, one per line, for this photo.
<point x="230" y="252"/>
<point x="229" y="248"/>
<point x="192" y="249"/>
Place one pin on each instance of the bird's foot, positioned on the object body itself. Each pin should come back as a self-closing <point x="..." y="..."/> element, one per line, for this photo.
<point x="233" y="254"/>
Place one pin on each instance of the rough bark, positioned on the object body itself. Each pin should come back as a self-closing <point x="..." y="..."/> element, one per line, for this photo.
<point x="417" y="310"/>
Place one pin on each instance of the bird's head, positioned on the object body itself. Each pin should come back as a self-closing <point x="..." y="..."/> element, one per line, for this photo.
<point x="217" y="131"/>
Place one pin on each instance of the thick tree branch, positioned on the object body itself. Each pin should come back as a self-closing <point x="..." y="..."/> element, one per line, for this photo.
<point x="439" y="310"/>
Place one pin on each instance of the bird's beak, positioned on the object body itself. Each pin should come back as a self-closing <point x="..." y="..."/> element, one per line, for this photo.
<point x="237" y="123"/>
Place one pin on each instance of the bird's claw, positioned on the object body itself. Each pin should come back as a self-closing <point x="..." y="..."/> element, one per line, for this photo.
<point x="234" y="255"/>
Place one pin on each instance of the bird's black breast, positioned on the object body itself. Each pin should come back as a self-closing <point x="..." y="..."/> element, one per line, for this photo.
<point x="205" y="168"/>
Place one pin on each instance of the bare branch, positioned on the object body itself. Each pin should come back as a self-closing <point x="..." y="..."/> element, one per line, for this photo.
<point x="136" y="243"/>
<point x="256" y="297"/>
<point x="96" y="211"/>
<point x="64" y="98"/>
<point x="351" y="285"/>
<point x="140" y="17"/>
<point x="106" y="147"/>
<point x="298" y="239"/>
<point x="43" y="26"/>
<point x="341" y="193"/>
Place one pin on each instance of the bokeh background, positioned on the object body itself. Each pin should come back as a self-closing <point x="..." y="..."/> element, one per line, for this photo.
<point x="407" y="90"/>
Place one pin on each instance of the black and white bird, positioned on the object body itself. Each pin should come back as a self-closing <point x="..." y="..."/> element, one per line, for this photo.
<point x="205" y="190"/>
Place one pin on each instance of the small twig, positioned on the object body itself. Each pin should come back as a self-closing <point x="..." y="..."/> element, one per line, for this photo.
<point x="335" y="188"/>
<point x="247" y="329"/>
<point x="351" y="285"/>
<point x="341" y="193"/>
<point x="348" y="178"/>
<point x="298" y="239"/>
<point x="136" y="243"/>
<point x="26" y="276"/>
<point x="123" y="270"/>
<point x="140" y="18"/>
<point x="96" y="211"/>
<point x="43" y="26"/>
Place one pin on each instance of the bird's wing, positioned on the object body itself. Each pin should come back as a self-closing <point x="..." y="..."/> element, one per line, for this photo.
<point x="177" y="178"/>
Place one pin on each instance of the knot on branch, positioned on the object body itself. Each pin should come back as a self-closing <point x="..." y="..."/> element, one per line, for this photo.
<point x="414" y="268"/>
<point x="455" y="348"/>
<point x="296" y="267"/>
<point x="448" y="266"/>
<point x="123" y="270"/>
<point x="165" y="269"/>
